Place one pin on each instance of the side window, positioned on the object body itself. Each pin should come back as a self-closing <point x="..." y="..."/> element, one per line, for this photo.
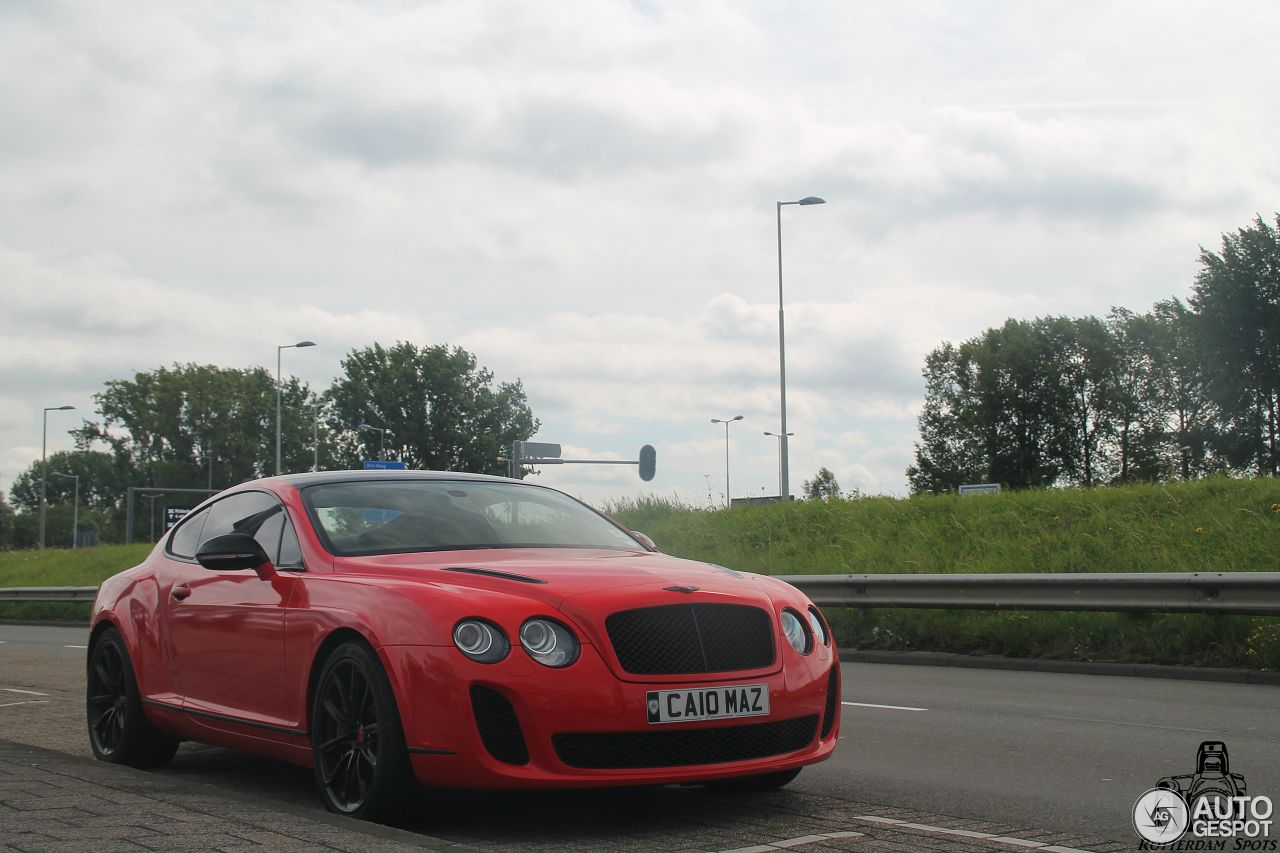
<point x="256" y="513"/>
<point x="290" y="550"/>
<point x="187" y="537"/>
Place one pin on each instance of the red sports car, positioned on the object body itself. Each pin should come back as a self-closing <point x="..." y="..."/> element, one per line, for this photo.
<point x="453" y="630"/>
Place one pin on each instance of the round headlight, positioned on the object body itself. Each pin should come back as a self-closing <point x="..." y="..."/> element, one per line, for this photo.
<point x="796" y="632"/>
<point x="480" y="640"/>
<point x="819" y="627"/>
<point x="549" y="643"/>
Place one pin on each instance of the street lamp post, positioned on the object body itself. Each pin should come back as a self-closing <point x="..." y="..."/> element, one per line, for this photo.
<point x="781" y="485"/>
<point x="726" y="451"/>
<point x="279" y="349"/>
<point x="152" y="498"/>
<point x="44" y="464"/>
<point x="75" y="507"/>
<point x="784" y="463"/>
<point x="208" y="459"/>
<point x="382" y="439"/>
<point x="315" y="437"/>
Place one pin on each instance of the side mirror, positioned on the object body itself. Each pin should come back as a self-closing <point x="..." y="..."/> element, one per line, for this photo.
<point x="234" y="552"/>
<point x="644" y="540"/>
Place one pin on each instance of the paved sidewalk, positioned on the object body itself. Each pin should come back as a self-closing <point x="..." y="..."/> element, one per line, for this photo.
<point x="50" y="801"/>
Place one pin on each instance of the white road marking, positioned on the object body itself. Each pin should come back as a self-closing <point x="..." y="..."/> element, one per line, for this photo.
<point x="886" y="707"/>
<point x="27" y="692"/>
<point x="969" y="833"/>
<point x="25" y="702"/>
<point x="1126" y="723"/>
<point x="75" y="647"/>
<point x="788" y="843"/>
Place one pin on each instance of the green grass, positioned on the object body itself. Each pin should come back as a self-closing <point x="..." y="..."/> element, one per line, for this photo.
<point x="62" y="567"/>
<point x="1208" y="525"/>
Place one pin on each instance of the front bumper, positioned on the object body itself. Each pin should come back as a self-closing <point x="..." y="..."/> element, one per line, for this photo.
<point x="582" y="726"/>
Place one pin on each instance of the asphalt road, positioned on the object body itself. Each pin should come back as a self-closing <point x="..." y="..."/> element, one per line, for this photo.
<point x="1056" y="757"/>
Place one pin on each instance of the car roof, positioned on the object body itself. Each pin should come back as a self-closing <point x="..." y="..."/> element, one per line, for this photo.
<point x="358" y="475"/>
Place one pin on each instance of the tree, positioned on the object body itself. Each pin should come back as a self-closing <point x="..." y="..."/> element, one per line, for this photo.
<point x="953" y="440"/>
<point x="1178" y="379"/>
<point x="1237" y="307"/>
<point x="442" y="409"/>
<point x="166" y="423"/>
<point x="6" y="524"/>
<point x="998" y="410"/>
<point x="103" y="480"/>
<point x="823" y="486"/>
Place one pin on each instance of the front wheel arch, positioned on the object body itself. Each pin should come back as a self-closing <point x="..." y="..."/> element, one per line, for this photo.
<point x="359" y="758"/>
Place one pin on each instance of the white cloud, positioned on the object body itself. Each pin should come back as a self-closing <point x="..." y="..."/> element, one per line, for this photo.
<point x="583" y="194"/>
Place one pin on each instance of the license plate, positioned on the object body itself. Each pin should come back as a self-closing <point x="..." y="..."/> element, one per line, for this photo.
<point x="708" y="703"/>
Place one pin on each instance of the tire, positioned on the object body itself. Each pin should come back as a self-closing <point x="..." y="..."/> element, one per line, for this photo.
<point x="760" y="782"/>
<point x="358" y="753"/>
<point x="119" y="731"/>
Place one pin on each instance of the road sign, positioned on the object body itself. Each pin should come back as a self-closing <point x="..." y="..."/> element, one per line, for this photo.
<point x="174" y="514"/>
<point x="539" y="450"/>
<point x="383" y="465"/>
<point x="981" y="489"/>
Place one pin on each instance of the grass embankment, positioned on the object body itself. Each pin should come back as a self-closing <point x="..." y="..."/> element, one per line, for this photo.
<point x="62" y="567"/>
<point x="1209" y="525"/>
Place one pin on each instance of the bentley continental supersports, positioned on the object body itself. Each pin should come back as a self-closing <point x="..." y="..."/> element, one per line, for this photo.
<point x="396" y="629"/>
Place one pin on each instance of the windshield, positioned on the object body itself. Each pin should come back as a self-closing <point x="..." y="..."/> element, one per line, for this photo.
<point x="403" y="516"/>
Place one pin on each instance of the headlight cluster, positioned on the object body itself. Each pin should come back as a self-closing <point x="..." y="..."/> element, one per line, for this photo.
<point x="481" y="641"/>
<point x="819" y="626"/>
<point x="803" y="633"/>
<point x="796" y="632"/>
<point x="546" y="641"/>
<point x="549" y="643"/>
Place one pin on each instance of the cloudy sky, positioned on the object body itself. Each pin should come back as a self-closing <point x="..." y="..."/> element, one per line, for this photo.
<point x="583" y="195"/>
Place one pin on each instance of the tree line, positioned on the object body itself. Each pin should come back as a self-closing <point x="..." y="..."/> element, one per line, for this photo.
<point x="201" y="426"/>
<point x="1182" y="391"/>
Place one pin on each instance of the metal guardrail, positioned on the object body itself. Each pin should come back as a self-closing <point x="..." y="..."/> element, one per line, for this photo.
<point x="48" y="593"/>
<point x="1239" y="593"/>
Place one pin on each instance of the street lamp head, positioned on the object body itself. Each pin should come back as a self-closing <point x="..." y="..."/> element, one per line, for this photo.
<point x="59" y="408"/>
<point x="301" y="344"/>
<point x="812" y="199"/>
<point x="737" y="417"/>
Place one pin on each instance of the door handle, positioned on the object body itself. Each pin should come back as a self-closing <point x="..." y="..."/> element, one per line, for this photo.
<point x="180" y="592"/>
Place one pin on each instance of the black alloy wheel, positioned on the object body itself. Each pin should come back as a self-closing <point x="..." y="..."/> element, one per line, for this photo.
<point x="119" y="731"/>
<point x="361" y="765"/>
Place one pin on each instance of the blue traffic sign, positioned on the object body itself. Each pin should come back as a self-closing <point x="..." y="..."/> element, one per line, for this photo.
<point x="383" y="465"/>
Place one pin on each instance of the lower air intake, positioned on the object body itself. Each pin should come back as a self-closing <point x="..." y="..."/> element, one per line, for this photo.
<point x="683" y="747"/>
<point x="499" y="726"/>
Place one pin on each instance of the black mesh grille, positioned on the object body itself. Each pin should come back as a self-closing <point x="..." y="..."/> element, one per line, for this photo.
<point x="499" y="726"/>
<point x="833" y="700"/>
<point x="691" y="638"/>
<point x="683" y="747"/>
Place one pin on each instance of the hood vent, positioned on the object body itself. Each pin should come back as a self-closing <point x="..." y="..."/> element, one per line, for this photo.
<point x="493" y="573"/>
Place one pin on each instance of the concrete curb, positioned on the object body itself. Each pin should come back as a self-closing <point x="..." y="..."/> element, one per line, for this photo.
<point x="1139" y="670"/>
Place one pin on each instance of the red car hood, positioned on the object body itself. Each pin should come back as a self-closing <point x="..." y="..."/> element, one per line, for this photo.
<point x="553" y="575"/>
